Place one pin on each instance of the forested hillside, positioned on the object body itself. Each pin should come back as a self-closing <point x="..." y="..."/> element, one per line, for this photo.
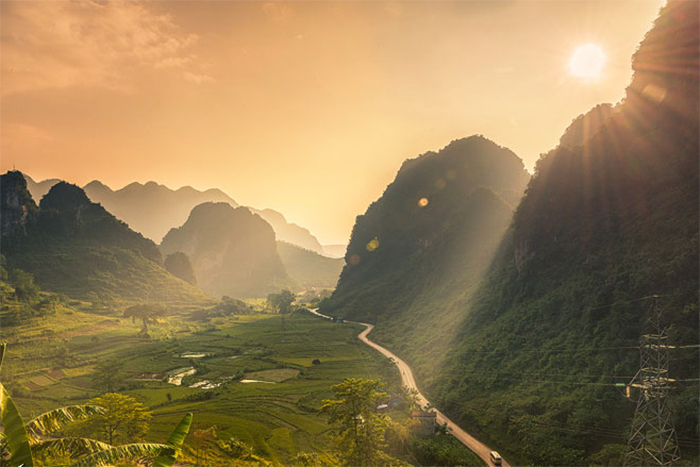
<point x="529" y="357"/>
<point x="233" y="251"/>
<point x="76" y="247"/>
<point x="603" y="225"/>
<point x="308" y="268"/>
<point x="416" y="253"/>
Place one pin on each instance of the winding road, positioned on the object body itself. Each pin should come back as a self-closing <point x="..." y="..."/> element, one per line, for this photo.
<point x="479" y="448"/>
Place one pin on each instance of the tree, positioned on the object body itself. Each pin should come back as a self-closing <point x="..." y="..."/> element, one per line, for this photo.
<point x="23" y="282"/>
<point x="146" y="312"/>
<point x="202" y="437"/>
<point x="281" y="302"/>
<point x="123" y="420"/>
<point x="307" y="459"/>
<point x="360" y="430"/>
<point x="107" y="375"/>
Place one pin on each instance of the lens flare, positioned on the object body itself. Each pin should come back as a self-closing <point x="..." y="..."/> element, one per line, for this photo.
<point x="423" y="202"/>
<point x="373" y="244"/>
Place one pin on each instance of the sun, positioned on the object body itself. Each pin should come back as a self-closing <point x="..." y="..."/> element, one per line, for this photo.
<point x="587" y="61"/>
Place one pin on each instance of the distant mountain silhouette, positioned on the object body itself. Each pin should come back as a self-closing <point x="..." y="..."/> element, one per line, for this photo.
<point x="233" y="251"/>
<point x="75" y="246"/>
<point x="154" y="209"/>
<point x="290" y="233"/>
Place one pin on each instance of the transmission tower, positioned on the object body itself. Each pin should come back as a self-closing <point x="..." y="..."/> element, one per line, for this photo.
<point x="652" y="439"/>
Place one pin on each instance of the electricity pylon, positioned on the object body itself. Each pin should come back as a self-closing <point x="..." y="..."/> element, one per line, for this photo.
<point x="653" y="439"/>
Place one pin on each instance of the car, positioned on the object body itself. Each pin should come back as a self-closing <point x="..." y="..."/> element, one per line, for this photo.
<point x="495" y="458"/>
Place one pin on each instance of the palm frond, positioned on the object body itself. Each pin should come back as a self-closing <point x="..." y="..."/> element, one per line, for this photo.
<point x="54" y="420"/>
<point x="118" y="454"/>
<point x="15" y="435"/>
<point x="72" y="447"/>
<point x="167" y="459"/>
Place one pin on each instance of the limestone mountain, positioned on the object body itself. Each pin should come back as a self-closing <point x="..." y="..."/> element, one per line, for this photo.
<point x="530" y="354"/>
<point x="150" y="208"/>
<point x="74" y="246"/>
<point x="233" y="251"/>
<point x="422" y="246"/>
<point x="17" y="207"/>
<point x="153" y="209"/>
<point x="289" y="232"/>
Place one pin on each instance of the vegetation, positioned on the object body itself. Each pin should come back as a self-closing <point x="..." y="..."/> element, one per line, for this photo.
<point x="277" y="420"/>
<point x="281" y="302"/>
<point x="73" y="246"/>
<point x="411" y="267"/>
<point x="532" y="353"/>
<point x="33" y="443"/>
<point x="359" y="428"/>
<point x="123" y="419"/>
<point x="308" y="268"/>
<point x="148" y="313"/>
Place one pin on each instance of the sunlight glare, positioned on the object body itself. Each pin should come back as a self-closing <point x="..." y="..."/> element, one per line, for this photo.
<point x="587" y="61"/>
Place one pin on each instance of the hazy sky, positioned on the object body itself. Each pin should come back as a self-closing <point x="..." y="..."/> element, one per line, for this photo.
<point x="304" y="107"/>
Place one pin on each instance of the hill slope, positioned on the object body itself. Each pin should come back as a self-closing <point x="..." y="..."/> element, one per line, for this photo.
<point x="308" y="268"/>
<point x="605" y="223"/>
<point x="233" y="251"/>
<point x="411" y="262"/>
<point x="76" y="247"/>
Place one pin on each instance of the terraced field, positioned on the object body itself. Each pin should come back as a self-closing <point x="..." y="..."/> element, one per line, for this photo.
<point x="278" y="416"/>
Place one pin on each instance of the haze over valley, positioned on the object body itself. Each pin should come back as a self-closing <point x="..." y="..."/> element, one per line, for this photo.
<point x="496" y="255"/>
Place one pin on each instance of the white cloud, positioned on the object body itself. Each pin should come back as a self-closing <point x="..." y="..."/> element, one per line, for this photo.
<point x="102" y="44"/>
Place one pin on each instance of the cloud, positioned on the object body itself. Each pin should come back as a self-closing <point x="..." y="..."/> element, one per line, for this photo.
<point x="102" y="44"/>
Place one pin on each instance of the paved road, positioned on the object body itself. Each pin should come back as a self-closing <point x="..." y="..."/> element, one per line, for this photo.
<point x="465" y="438"/>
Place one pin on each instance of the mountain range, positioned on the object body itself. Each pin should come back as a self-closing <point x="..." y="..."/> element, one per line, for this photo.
<point x="525" y="344"/>
<point x="74" y="246"/>
<point x="153" y="209"/>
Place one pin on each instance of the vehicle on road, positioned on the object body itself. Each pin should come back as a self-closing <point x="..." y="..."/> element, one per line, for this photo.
<point x="495" y="458"/>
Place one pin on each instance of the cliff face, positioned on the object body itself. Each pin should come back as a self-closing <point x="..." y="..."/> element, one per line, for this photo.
<point x="233" y="252"/>
<point x="17" y="208"/>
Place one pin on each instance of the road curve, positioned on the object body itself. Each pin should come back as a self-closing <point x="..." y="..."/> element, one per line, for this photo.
<point x="479" y="448"/>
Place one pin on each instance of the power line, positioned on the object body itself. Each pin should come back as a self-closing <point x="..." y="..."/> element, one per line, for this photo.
<point x="653" y="439"/>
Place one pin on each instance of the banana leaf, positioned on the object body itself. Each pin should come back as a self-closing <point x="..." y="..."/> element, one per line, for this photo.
<point x="16" y="437"/>
<point x="118" y="454"/>
<point x="167" y="459"/>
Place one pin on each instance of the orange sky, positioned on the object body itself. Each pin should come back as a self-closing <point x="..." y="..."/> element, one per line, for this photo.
<point x="304" y="107"/>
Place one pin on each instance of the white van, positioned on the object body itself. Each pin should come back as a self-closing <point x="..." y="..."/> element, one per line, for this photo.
<point x="495" y="458"/>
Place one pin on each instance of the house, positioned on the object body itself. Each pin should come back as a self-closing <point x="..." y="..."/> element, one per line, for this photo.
<point x="426" y="422"/>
